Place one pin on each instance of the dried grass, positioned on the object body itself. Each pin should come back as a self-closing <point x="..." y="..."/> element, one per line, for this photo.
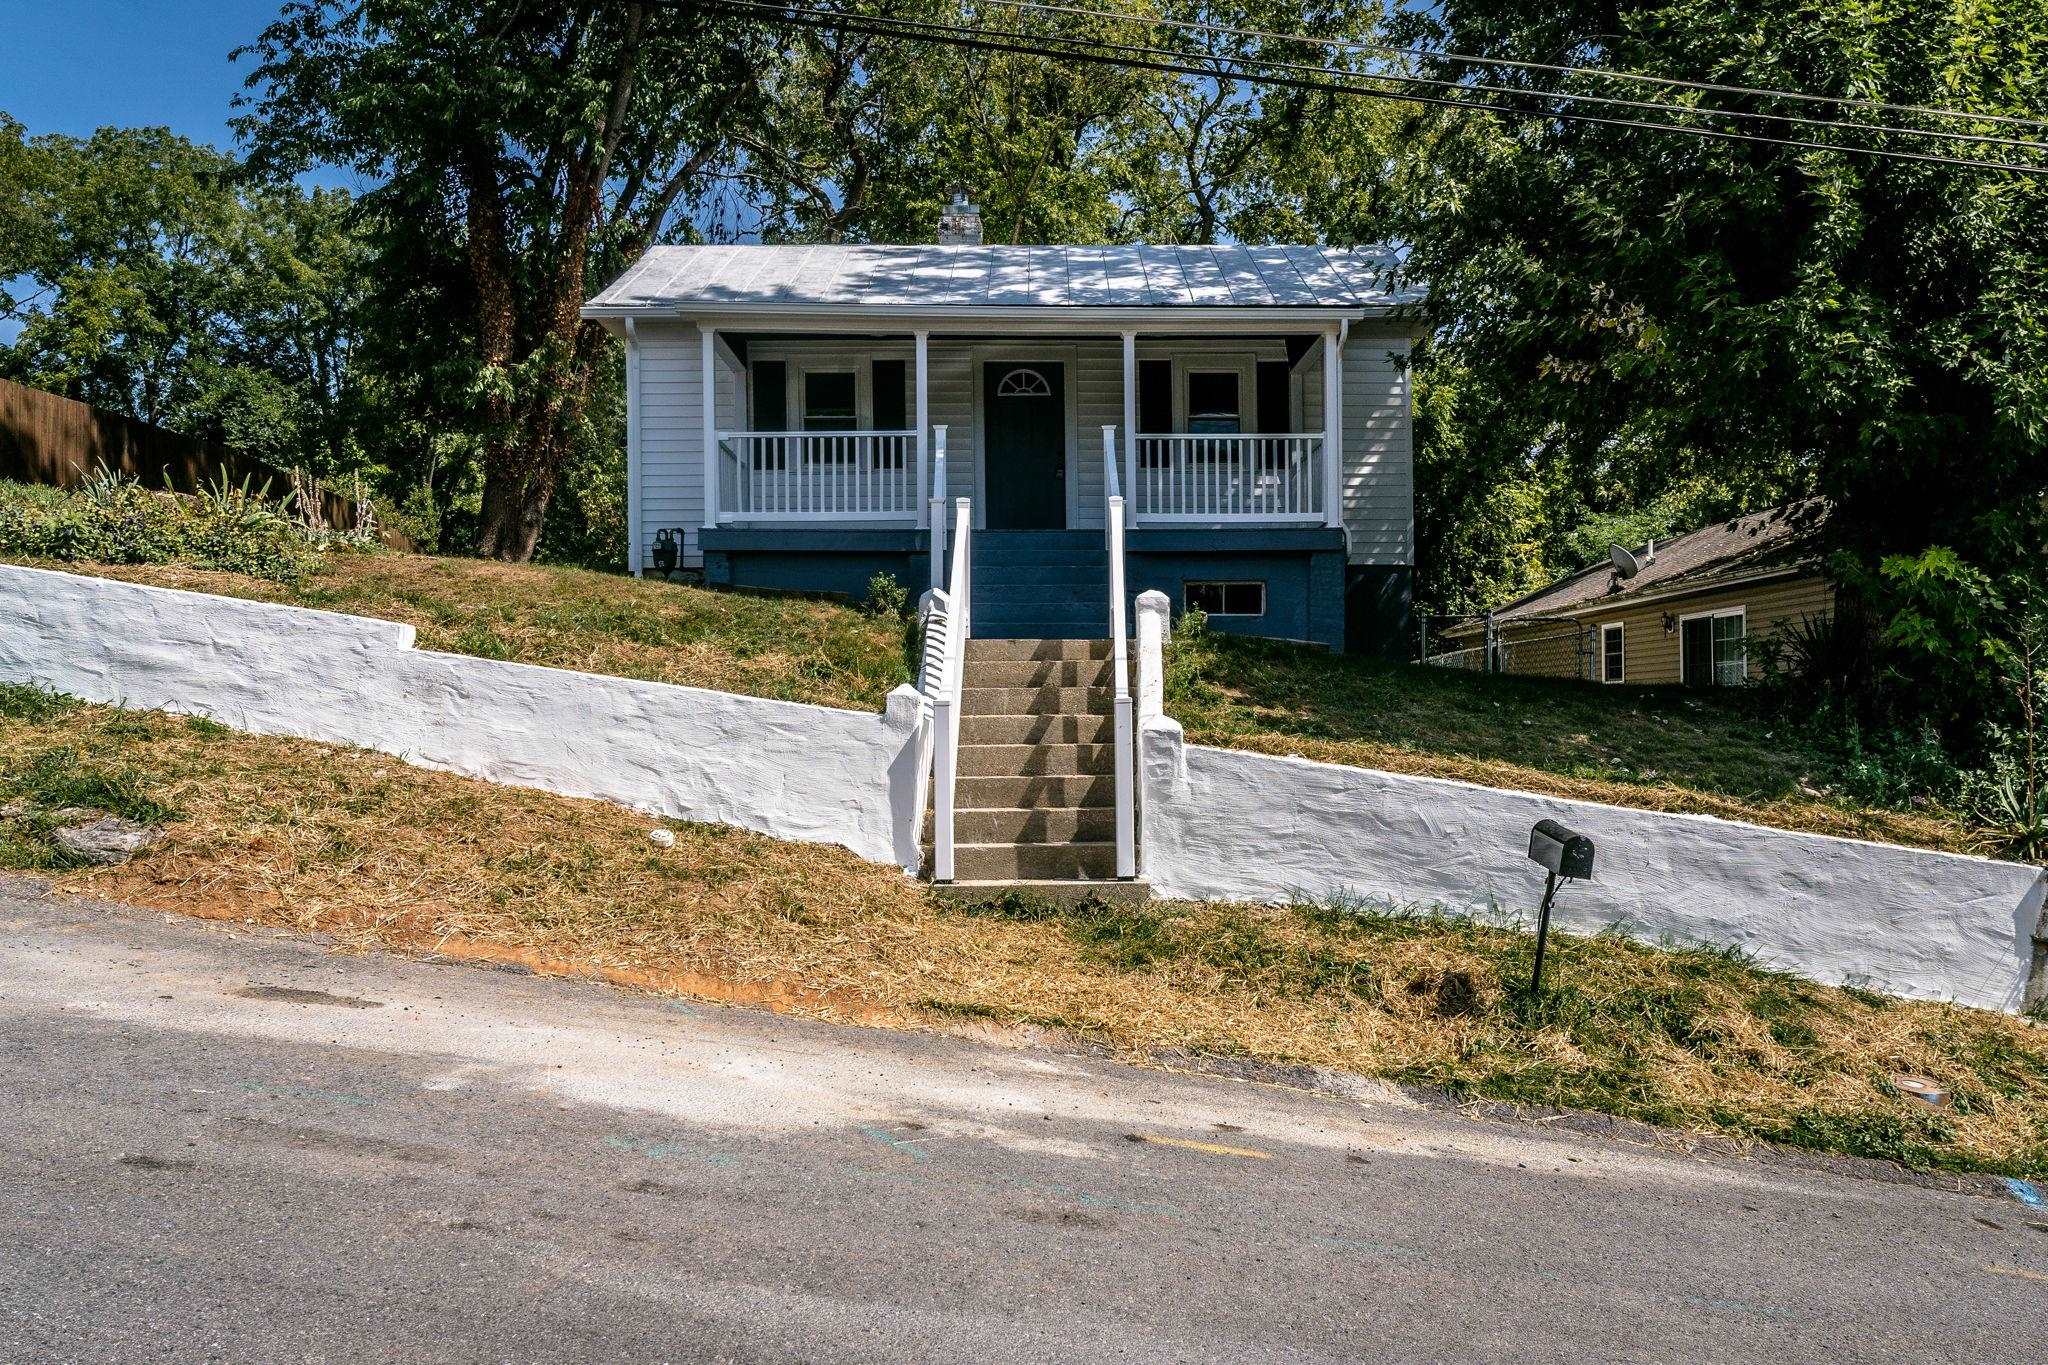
<point x="360" y="846"/>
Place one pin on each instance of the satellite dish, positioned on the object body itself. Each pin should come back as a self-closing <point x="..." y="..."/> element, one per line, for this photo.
<point x="1625" y="563"/>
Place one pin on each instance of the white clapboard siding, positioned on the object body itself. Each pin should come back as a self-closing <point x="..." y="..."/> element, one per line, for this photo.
<point x="1379" y="457"/>
<point x="671" y="435"/>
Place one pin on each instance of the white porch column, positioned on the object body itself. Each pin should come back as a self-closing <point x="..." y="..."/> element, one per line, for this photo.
<point x="1333" y="427"/>
<point x="1131" y="417"/>
<point x="634" y="553"/>
<point x="923" y="434"/>
<point x="710" y="336"/>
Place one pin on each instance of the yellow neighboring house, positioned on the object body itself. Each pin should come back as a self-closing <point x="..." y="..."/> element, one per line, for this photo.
<point x="1691" y="611"/>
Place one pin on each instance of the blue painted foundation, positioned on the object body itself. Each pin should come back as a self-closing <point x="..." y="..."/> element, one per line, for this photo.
<point x="838" y="563"/>
<point x="1302" y="569"/>
<point x="1046" y="582"/>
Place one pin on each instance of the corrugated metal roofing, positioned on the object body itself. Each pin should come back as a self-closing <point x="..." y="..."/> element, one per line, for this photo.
<point x="680" y="278"/>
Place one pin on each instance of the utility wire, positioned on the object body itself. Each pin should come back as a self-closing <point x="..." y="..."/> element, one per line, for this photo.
<point x="1518" y="92"/>
<point x="1130" y="56"/>
<point x="1466" y="59"/>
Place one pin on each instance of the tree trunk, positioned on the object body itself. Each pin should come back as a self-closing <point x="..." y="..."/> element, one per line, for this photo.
<point x="519" y="482"/>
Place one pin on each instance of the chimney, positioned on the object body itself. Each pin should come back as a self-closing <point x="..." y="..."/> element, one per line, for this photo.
<point x="960" y="224"/>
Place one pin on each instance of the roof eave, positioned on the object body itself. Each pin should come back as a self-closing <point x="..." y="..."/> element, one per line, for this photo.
<point x="1108" y="317"/>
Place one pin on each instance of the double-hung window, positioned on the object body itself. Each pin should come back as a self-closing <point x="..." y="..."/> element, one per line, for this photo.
<point x="1215" y="403"/>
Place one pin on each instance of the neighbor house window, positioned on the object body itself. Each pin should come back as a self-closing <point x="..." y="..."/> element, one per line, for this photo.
<point x="1227" y="599"/>
<point x="1713" y="649"/>
<point x="1215" y="403"/>
<point x="1610" y="653"/>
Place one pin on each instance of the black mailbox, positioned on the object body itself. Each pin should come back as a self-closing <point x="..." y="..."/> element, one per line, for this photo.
<point x="1561" y="852"/>
<point x="1562" y="855"/>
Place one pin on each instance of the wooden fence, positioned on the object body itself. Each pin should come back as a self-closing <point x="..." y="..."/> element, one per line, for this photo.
<point x="46" y="438"/>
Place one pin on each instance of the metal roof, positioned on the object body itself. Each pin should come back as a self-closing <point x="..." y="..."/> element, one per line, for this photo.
<point x="684" y="279"/>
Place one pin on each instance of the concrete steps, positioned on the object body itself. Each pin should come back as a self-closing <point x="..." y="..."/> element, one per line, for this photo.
<point x="1035" y="794"/>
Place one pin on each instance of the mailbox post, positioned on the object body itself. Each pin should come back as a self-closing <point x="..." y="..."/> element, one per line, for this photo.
<point x="1564" y="856"/>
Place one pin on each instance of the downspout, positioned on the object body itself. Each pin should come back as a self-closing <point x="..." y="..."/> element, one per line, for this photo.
<point x="635" y="553"/>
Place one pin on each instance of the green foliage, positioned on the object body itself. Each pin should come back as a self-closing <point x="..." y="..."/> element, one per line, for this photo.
<point x="163" y="282"/>
<point x="116" y="521"/>
<point x="1758" y="323"/>
<point x="886" y="596"/>
<point x="28" y="702"/>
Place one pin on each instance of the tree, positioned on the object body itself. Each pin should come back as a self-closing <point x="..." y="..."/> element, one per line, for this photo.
<point x="524" y="152"/>
<point x="1768" y="320"/>
<point x="160" y="281"/>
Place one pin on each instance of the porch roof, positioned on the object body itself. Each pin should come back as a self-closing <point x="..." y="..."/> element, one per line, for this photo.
<point x="962" y="280"/>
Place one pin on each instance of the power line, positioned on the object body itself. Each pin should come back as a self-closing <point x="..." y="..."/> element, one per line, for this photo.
<point x="1129" y="56"/>
<point x="1467" y="59"/>
<point x="1607" y="101"/>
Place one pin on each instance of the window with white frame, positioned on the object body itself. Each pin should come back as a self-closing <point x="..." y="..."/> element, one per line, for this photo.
<point x="1612" y="658"/>
<point x="1227" y="599"/>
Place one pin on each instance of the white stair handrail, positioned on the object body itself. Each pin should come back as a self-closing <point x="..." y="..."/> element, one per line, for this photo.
<point x="946" y="707"/>
<point x="1119" y="652"/>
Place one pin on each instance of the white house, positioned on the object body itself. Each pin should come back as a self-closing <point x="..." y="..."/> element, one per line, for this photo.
<point x="1253" y="401"/>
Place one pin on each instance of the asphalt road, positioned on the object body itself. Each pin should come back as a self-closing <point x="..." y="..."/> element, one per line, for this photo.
<point x="222" y="1144"/>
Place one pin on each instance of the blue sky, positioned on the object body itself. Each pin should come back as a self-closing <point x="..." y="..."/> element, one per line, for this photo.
<point x="70" y="66"/>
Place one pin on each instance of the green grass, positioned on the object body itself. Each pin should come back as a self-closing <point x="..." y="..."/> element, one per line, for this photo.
<point x="1716" y="753"/>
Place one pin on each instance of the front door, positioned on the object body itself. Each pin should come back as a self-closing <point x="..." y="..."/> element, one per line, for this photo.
<point x="1024" y="413"/>
<point x="1696" y="648"/>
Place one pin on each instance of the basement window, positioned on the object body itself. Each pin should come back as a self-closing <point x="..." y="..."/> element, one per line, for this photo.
<point x="1227" y="599"/>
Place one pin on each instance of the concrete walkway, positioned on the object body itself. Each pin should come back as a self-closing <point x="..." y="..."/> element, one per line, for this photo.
<point x="224" y="1144"/>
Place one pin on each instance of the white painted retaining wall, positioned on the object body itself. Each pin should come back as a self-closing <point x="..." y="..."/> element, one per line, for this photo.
<point x="1223" y="824"/>
<point x="793" y="771"/>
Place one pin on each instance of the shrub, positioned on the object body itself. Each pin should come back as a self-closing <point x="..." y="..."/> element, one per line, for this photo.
<point x="886" y="596"/>
<point x="111" y="519"/>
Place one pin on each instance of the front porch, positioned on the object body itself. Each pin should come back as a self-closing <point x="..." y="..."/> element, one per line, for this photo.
<point x="1211" y="429"/>
<point x="832" y="458"/>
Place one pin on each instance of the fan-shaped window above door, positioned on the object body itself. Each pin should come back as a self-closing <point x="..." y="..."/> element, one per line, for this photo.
<point x="1023" y="384"/>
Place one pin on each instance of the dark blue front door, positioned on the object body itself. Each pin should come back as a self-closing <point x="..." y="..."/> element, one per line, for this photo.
<point x="1024" y="410"/>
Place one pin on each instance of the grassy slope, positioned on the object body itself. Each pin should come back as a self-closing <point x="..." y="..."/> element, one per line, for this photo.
<point x="790" y="648"/>
<point x="1713" y="753"/>
<point x="355" y="843"/>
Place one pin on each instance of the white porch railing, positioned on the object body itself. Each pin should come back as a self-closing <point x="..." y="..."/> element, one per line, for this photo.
<point x="946" y="705"/>
<point x="1119" y="653"/>
<point x="822" y="476"/>
<point x="1262" y="478"/>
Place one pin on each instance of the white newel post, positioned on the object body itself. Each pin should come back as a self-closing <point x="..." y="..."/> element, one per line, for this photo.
<point x="1333" y="427"/>
<point x="923" y="435"/>
<point x="935" y="509"/>
<point x="635" y="554"/>
<point x="710" y="337"/>
<point x="1154" y="616"/>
